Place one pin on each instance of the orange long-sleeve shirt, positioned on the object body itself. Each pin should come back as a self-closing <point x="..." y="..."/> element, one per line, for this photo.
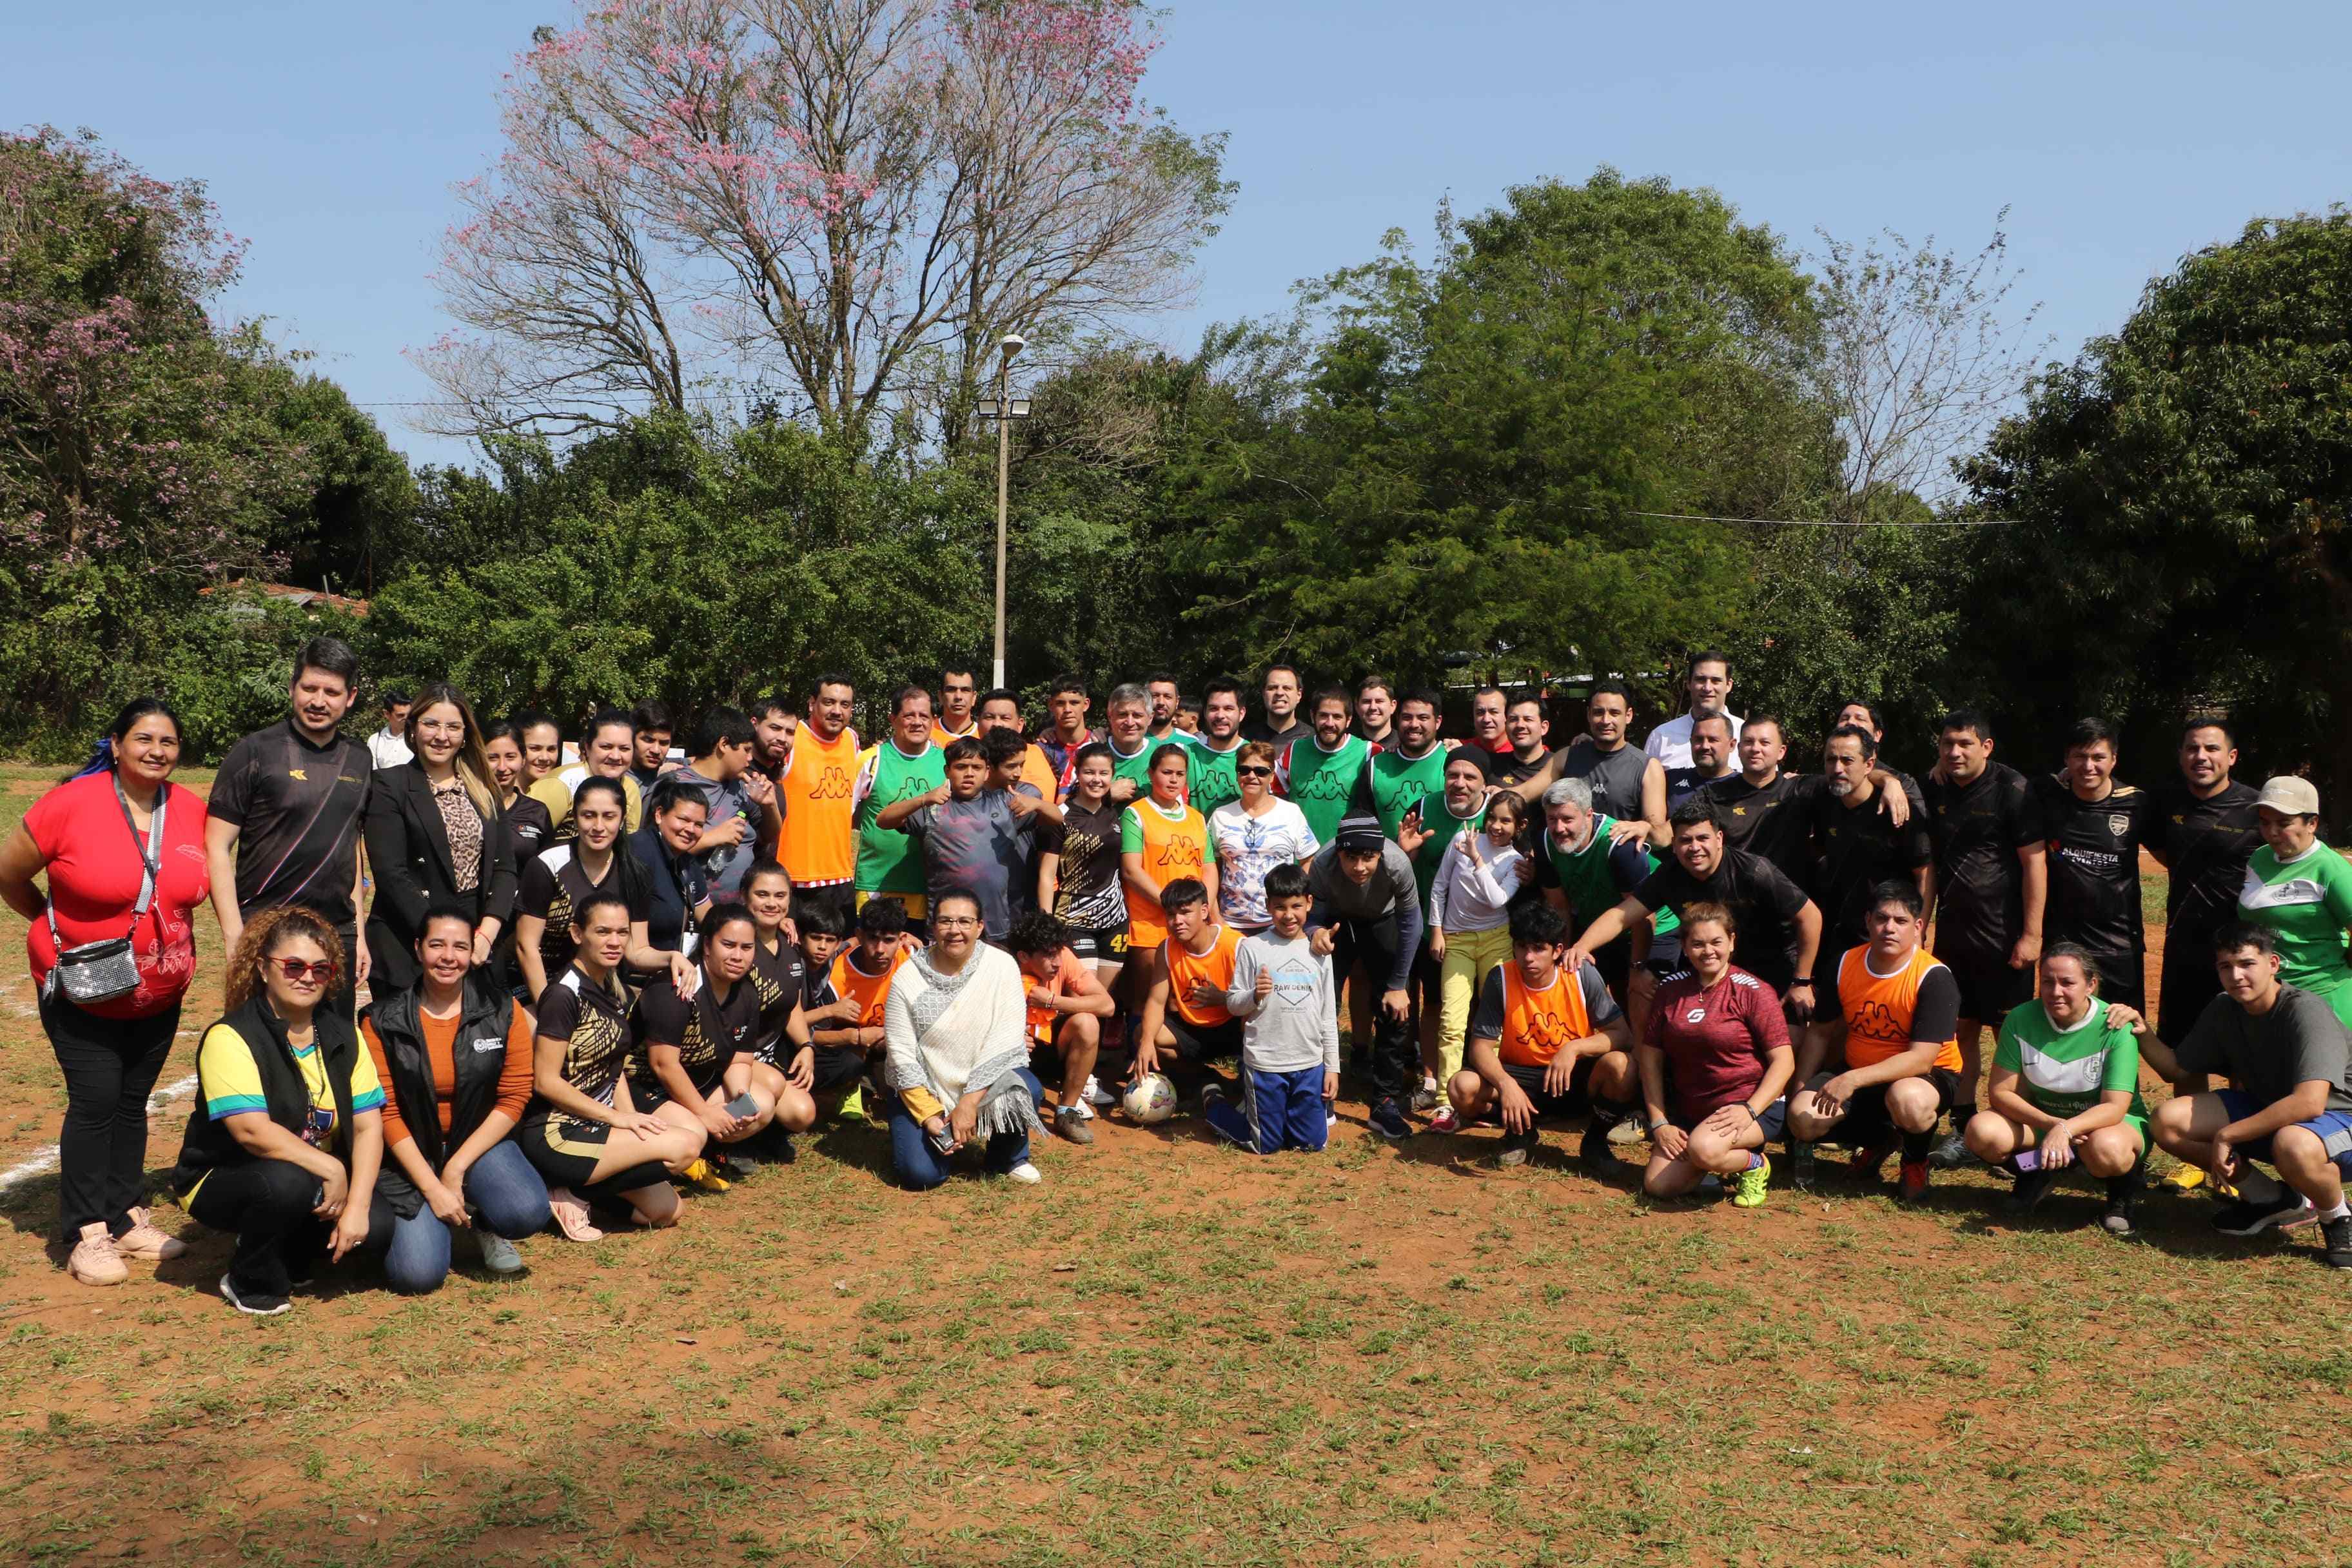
<point x="441" y="1050"/>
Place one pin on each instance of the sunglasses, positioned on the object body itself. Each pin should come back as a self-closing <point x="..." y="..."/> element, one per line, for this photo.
<point x="294" y="969"/>
<point x="1256" y="771"/>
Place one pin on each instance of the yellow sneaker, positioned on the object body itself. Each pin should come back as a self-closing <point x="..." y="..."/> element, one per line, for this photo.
<point x="706" y="1178"/>
<point x="853" y="1108"/>
<point x="2186" y="1178"/>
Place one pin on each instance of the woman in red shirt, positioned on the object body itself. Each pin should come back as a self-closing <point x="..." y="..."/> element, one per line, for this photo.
<point x="1713" y="1060"/>
<point x="124" y="848"/>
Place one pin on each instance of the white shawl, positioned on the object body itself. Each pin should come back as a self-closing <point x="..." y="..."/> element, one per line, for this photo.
<point x="955" y="1033"/>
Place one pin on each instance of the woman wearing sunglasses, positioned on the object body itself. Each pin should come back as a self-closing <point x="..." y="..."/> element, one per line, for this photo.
<point x="1254" y="834"/>
<point x="287" y="1136"/>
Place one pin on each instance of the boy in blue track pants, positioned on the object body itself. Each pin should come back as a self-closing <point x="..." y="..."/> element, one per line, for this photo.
<point x="1284" y="993"/>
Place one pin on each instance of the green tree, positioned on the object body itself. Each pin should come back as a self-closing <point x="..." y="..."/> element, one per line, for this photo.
<point x="2180" y="493"/>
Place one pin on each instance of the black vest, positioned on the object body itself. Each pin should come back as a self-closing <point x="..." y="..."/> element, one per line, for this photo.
<point x="488" y="1013"/>
<point x="209" y="1145"/>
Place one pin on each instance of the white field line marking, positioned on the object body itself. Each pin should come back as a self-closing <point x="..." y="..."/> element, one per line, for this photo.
<point x="42" y="1163"/>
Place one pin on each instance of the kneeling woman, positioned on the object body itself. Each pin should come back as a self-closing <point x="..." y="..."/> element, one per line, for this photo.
<point x="582" y="1132"/>
<point x="2065" y="1087"/>
<point x="285" y="1148"/>
<point x="696" y="1057"/>
<point x="956" y="1026"/>
<point x="1716" y="1054"/>
<point x="454" y="1052"/>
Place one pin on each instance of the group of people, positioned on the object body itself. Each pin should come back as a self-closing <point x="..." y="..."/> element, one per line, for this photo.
<point x="603" y="966"/>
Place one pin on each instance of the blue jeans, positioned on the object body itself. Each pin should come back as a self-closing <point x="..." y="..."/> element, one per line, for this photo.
<point x="920" y="1167"/>
<point x="508" y="1198"/>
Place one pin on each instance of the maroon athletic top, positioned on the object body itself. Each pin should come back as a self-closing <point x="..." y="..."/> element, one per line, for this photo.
<point x="1715" y="1039"/>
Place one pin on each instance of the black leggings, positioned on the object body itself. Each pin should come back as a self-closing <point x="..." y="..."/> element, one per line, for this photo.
<point x="110" y="1066"/>
<point x="1396" y="1054"/>
<point x="267" y="1205"/>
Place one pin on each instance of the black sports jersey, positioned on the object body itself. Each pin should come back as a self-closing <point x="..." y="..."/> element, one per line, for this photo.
<point x="2205" y="844"/>
<point x="1615" y="776"/>
<point x="1509" y="770"/>
<point x="1764" y="904"/>
<point x="528" y="828"/>
<point x="1684" y="783"/>
<point x="554" y="883"/>
<point x="709" y="1033"/>
<point x="296" y="807"/>
<point x="1087" y="892"/>
<point x="1858" y="848"/>
<point x="781" y="978"/>
<point x="1768" y="819"/>
<point x="593" y="1021"/>
<point x="1978" y="828"/>
<point x="2094" y="848"/>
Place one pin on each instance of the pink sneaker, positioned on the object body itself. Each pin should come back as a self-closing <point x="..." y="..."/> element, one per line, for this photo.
<point x="1445" y="1121"/>
<point x="145" y="1241"/>
<point x="94" y="1260"/>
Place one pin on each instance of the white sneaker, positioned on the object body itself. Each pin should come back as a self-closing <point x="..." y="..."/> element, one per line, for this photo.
<point x="1082" y="1110"/>
<point x="1095" y="1095"/>
<point x="1027" y="1174"/>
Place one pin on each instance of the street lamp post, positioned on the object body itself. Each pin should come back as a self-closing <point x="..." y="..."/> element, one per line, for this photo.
<point x="1011" y="344"/>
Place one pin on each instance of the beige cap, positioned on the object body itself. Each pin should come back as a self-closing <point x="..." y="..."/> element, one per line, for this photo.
<point x="2291" y="795"/>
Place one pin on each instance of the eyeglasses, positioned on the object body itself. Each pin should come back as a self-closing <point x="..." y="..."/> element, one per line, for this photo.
<point x="958" y="922"/>
<point x="1256" y="771"/>
<point x="296" y="970"/>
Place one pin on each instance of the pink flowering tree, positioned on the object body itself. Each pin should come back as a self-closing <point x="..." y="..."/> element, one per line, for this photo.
<point x="835" y="207"/>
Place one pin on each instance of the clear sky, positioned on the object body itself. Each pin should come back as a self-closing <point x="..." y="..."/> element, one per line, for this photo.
<point x="2120" y="136"/>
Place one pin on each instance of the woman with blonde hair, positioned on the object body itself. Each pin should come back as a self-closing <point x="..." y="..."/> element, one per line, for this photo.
<point x="436" y="828"/>
<point x="286" y="1137"/>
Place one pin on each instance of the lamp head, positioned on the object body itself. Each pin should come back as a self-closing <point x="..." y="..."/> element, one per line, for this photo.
<point x="1011" y="344"/>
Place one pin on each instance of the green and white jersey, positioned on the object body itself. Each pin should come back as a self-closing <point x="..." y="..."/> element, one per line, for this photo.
<point x="1398" y="782"/>
<point x="2064" y="1071"/>
<point x="1137" y="769"/>
<point x="1213" y="782"/>
<point x="2306" y="903"/>
<point x="886" y="860"/>
<point x="1444" y="827"/>
<point x="1600" y="876"/>
<point x="1324" y="783"/>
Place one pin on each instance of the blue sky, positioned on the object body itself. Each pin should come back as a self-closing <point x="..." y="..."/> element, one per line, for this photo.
<point x="2121" y="137"/>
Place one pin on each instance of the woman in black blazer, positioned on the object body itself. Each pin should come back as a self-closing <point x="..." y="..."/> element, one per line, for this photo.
<point x="436" y="829"/>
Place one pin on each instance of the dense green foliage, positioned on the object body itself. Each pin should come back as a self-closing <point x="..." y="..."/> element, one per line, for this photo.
<point x="2183" y="490"/>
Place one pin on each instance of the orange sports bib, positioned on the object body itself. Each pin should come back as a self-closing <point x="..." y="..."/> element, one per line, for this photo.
<point x="820" y="844"/>
<point x="1878" y="1009"/>
<point x="1186" y="967"/>
<point x="852" y="983"/>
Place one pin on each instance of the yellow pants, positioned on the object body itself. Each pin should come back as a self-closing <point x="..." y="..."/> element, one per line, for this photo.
<point x="1470" y="956"/>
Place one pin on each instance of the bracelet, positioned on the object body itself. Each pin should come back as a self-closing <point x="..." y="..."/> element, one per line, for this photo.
<point x="1801" y="980"/>
<point x="1662" y="1121"/>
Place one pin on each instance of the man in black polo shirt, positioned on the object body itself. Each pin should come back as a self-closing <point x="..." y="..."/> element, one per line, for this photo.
<point x="1859" y="845"/>
<point x="2204" y="832"/>
<point x="1760" y="806"/>
<point x="283" y="820"/>
<point x="1528" y="731"/>
<point x="1711" y="764"/>
<point x="1779" y="928"/>
<point x="2096" y="828"/>
<point x="1278" y="722"/>
<point x="1991" y="878"/>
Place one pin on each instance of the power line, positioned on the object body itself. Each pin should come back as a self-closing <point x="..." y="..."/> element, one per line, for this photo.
<point x="1809" y="521"/>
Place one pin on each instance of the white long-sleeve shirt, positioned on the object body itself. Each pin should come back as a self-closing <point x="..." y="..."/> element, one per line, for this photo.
<point x="1466" y="895"/>
<point x="1298" y="1025"/>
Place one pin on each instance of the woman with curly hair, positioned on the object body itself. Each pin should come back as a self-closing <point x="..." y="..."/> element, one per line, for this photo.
<point x="284" y="1146"/>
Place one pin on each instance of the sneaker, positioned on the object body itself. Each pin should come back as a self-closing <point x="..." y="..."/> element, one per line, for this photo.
<point x="1080" y="1109"/>
<point x="255" y="1305"/>
<point x="1027" y="1174"/>
<point x="2186" y="1178"/>
<point x="737" y="1166"/>
<point x="2336" y="1241"/>
<point x="1424" y="1098"/>
<point x="1629" y="1131"/>
<point x="705" y="1177"/>
<point x="143" y="1240"/>
<point x="1800" y="1166"/>
<point x="1870" y="1158"/>
<point x="1952" y="1152"/>
<point x="1073" y="1126"/>
<point x="2123" y="1200"/>
<point x="1445" y="1121"/>
<point x="1592" y="1151"/>
<point x="1752" y="1187"/>
<point x="1387" y="1120"/>
<point x="1097" y="1095"/>
<point x="2287" y="1211"/>
<point x="94" y="1260"/>
<point x="1915" y="1181"/>
<point x="853" y="1105"/>
<point x="1516" y="1147"/>
<point x="2033" y="1187"/>
<point x="499" y="1255"/>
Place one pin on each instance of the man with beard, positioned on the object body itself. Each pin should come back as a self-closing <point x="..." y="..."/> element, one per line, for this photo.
<point x="1213" y="782"/>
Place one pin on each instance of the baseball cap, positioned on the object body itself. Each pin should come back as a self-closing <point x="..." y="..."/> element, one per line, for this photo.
<point x="1358" y="833"/>
<point x="2291" y="795"/>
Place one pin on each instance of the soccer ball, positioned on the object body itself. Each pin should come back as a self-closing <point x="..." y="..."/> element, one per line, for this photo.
<point x="1152" y="1099"/>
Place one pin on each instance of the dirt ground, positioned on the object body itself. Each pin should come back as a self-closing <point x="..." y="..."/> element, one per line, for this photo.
<point x="1172" y="1354"/>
